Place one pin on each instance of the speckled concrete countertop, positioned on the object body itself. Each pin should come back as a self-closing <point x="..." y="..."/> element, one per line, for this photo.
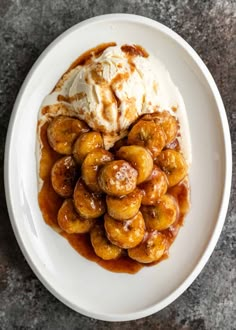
<point x="26" y="28"/>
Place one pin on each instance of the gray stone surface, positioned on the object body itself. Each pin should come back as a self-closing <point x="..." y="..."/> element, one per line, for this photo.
<point x="26" y="28"/>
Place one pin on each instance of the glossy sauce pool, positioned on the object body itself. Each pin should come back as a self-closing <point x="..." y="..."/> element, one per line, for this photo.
<point x="50" y="202"/>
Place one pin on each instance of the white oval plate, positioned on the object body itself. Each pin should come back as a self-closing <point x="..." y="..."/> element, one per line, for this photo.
<point x="83" y="285"/>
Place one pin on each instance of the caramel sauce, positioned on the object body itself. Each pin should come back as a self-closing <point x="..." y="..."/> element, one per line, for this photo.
<point x="62" y="98"/>
<point x="96" y="51"/>
<point x="119" y="78"/>
<point x="181" y="192"/>
<point x="174" y="108"/>
<point x="98" y="79"/>
<point x="50" y="202"/>
<point x="134" y="50"/>
<point x="81" y="243"/>
<point x="108" y="99"/>
<point x="55" y="109"/>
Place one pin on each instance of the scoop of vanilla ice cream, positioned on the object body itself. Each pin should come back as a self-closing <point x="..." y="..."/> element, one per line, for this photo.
<point x="112" y="90"/>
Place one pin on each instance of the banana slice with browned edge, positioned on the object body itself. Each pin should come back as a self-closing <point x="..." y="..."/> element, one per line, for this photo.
<point x="71" y="222"/>
<point x="125" y="207"/>
<point x="101" y="245"/>
<point x="86" y="143"/>
<point x="63" y="131"/>
<point x="168" y="122"/>
<point x="148" y="134"/>
<point x="88" y="204"/>
<point x="154" y="187"/>
<point x="91" y="165"/>
<point x="173" y="164"/>
<point x="139" y="158"/>
<point x="161" y="215"/>
<point x="117" y="178"/>
<point x="126" y="234"/>
<point x="151" y="249"/>
<point x="64" y="175"/>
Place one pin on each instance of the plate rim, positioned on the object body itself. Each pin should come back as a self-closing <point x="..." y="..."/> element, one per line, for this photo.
<point x="227" y="173"/>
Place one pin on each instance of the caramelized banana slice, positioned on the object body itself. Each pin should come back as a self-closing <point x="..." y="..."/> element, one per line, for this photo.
<point x="70" y="221"/>
<point x="148" y="134"/>
<point x="91" y="165"/>
<point x="102" y="246"/>
<point x="63" y="131"/>
<point x="88" y="204"/>
<point x="161" y="215"/>
<point x="86" y="143"/>
<point x="125" y="207"/>
<point x="63" y="176"/>
<point x="125" y="234"/>
<point x="139" y="158"/>
<point x="151" y="249"/>
<point x="154" y="187"/>
<point x="117" y="178"/>
<point x="173" y="164"/>
<point x="167" y="122"/>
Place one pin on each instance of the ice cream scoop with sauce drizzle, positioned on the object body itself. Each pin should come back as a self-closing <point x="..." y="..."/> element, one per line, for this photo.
<point x="111" y="88"/>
